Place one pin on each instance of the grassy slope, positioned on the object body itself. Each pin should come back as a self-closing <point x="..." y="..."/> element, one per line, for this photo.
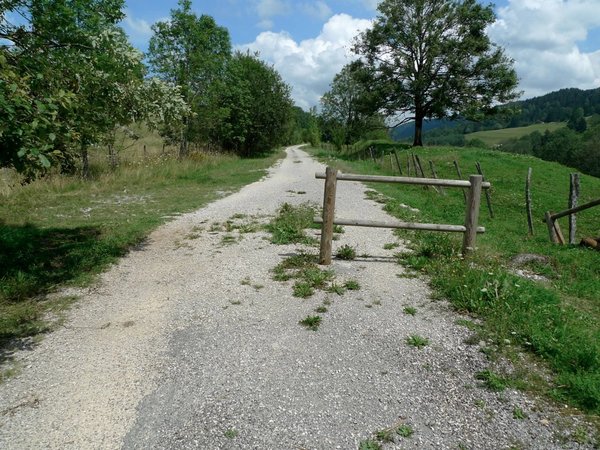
<point x="65" y="230"/>
<point x="496" y="137"/>
<point x="558" y="320"/>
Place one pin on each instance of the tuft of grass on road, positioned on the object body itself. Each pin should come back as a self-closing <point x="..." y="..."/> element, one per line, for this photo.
<point x="290" y="223"/>
<point x="557" y="320"/>
<point x="63" y="231"/>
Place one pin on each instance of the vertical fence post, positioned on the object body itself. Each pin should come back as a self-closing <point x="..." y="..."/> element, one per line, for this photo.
<point x="472" y="214"/>
<point x="528" y="201"/>
<point x="573" y="197"/>
<point x="328" y="216"/>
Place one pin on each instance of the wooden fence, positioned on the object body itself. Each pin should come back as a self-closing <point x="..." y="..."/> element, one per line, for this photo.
<point x="554" y="230"/>
<point x="469" y="229"/>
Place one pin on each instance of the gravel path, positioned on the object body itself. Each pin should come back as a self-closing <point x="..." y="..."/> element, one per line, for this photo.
<point x="189" y="343"/>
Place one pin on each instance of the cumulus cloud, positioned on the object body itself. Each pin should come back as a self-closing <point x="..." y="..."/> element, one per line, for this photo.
<point x="138" y="30"/>
<point x="318" y="9"/>
<point x="543" y="38"/>
<point x="267" y="9"/>
<point x="310" y="65"/>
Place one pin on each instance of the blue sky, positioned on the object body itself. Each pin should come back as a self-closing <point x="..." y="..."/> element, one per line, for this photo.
<point x="555" y="43"/>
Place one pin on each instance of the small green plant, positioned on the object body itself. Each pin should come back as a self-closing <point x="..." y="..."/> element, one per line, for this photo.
<point x="352" y="285"/>
<point x="245" y="282"/>
<point x="369" y="444"/>
<point x="417" y="341"/>
<point x="346" y="253"/>
<point x="492" y="381"/>
<point x="519" y="414"/>
<point x="404" y="430"/>
<point x="480" y="403"/>
<point x="311" y="322"/>
<point x="291" y="221"/>
<point x="231" y="433"/>
<point x="303" y="289"/>
<point x="386" y="435"/>
<point x="338" y="229"/>
<point x="336" y="289"/>
<point x="316" y="277"/>
<point x="410" y="310"/>
<point x="321" y="309"/>
<point x="228" y="239"/>
<point x="391" y="246"/>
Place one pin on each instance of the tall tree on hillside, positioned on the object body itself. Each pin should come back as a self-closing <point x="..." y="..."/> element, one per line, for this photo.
<point x="433" y="59"/>
<point x="191" y="52"/>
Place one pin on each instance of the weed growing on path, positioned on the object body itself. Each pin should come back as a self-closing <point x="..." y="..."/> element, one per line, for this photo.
<point x="291" y="221"/>
<point x="311" y="322"/>
<point x="417" y="341"/>
<point x="346" y="253"/>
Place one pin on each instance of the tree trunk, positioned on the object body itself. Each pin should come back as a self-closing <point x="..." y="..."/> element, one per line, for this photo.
<point x="418" y="142"/>
<point x="85" y="162"/>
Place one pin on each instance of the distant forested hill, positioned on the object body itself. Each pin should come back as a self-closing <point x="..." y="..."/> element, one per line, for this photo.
<point x="558" y="106"/>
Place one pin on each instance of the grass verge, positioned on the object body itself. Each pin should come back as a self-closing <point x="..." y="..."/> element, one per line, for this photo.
<point x="63" y="230"/>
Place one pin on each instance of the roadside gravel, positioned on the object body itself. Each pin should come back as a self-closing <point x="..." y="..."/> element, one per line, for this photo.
<point x="188" y="343"/>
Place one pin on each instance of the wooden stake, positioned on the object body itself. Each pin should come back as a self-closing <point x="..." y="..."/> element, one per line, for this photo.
<point x="328" y="216"/>
<point x="472" y="214"/>
<point x="434" y="173"/>
<point x="528" y="202"/>
<point x="460" y="178"/>
<point x="551" y="229"/>
<point x="488" y="196"/>
<point x="398" y="161"/>
<point x="573" y="198"/>
<point x="408" y="165"/>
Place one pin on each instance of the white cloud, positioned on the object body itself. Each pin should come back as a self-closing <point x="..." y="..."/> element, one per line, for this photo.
<point x="542" y="36"/>
<point x="139" y="30"/>
<point x="272" y="8"/>
<point x="318" y="9"/>
<point x="310" y="65"/>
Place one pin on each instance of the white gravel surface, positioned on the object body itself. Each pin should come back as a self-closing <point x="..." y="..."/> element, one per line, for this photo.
<point x="173" y="349"/>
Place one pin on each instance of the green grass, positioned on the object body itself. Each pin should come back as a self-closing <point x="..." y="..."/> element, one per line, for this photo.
<point x="63" y="231"/>
<point x="557" y="321"/>
<point x="417" y="341"/>
<point x="289" y="226"/>
<point x="311" y="322"/>
<point x="496" y="137"/>
<point x="346" y="253"/>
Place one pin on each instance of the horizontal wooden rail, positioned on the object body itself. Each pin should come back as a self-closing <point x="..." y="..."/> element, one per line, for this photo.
<point x="572" y="210"/>
<point x="403" y="180"/>
<point x="402" y="225"/>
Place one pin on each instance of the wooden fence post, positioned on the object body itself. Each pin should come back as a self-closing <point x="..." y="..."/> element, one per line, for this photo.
<point x="398" y="161"/>
<point x="488" y="196"/>
<point x="328" y="216"/>
<point x="434" y="173"/>
<point x="573" y="197"/>
<point x="460" y="178"/>
<point x="528" y="202"/>
<point x="472" y="214"/>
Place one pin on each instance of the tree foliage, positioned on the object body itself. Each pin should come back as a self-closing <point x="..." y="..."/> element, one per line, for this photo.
<point x="345" y="119"/>
<point x="192" y="52"/>
<point x="433" y="59"/>
<point x="69" y="77"/>
<point x="256" y="106"/>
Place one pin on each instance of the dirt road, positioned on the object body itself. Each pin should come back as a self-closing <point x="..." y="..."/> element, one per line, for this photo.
<point x="189" y="343"/>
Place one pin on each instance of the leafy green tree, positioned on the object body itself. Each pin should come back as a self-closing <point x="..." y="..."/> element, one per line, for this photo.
<point x="343" y="111"/>
<point x="191" y="52"/>
<point x="433" y="59"/>
<point x="255" y="106"/>
<point x="69" y="77"/>
<point x="577" y="121"/>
